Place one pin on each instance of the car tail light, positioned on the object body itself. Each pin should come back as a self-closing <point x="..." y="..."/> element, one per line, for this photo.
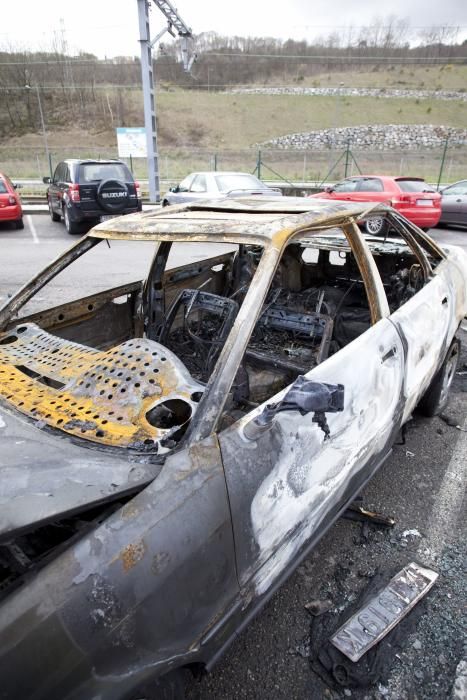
<point x="138" y="190"/>
<point x="401" y="199"/>
<point x="73" y="191"/>
<point x="11" y="199"/>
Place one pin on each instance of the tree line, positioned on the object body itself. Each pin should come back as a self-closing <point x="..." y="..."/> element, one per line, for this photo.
<point x="84" y="87"/>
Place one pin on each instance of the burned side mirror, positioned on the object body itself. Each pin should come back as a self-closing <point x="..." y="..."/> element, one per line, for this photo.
<point x="304" y="396"/>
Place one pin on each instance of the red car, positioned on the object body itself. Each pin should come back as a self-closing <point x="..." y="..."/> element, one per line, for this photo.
<point x="10" y="202"/>
<point x="411" y="196"/>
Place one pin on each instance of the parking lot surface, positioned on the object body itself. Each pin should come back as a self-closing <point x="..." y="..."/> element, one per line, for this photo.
<point x="23" y="253"/>
<point x="422" y="485"/>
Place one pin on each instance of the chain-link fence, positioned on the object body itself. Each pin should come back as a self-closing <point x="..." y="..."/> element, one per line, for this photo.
<point x="293" y="166"/>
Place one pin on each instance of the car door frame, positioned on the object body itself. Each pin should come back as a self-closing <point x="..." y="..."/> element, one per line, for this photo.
<point x="255" y="484"/>
<point x="180" y="197"/>
<point x="248" y="314"/>
<point x="54" y="189"/>
<point x="433" y="306"/>
<point x="205" y="421"/>
<point x="333" y="194"/>
<point x="220" y="382"/>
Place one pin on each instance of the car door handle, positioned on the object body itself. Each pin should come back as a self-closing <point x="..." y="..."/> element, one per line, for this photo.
<point x="390" y="353"/>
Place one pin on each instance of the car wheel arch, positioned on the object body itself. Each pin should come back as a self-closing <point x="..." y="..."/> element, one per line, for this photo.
<point x="436" y="396"/>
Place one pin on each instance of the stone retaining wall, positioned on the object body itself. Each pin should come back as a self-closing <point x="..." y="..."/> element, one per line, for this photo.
<point x="380" y="137"/>
<point x="355" y="92"/>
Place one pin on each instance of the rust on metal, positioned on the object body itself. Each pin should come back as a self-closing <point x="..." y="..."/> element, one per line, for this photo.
<point x="108" y="397"/>
<point x="132" y="554"/>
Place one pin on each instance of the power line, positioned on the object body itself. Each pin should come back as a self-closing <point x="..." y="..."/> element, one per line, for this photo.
<point x="96" y="29"/>
<point x="325" y="57"/>
<point x="379" y="26"/>
<point x="75" y="87"/>
<point x="73" y="62"/>
<point x="302" y="57"/>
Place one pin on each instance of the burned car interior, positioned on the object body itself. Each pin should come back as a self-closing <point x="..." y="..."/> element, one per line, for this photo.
<point x="126" y="369"/>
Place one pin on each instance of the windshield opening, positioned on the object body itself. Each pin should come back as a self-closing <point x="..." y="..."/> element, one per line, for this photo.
<point x="226" y="183"/>
<point x="117" y="348"/>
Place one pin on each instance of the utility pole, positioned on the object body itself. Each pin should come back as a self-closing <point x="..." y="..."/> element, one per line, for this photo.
<point x="44" y="132"/>
<point x="174" y="24"/>
<point x="442" y="163"/>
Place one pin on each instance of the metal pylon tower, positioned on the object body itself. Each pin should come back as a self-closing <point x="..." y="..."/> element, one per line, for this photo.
<point x="175" y="25"/>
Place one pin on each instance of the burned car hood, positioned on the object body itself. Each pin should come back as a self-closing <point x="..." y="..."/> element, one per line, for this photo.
<point x="44" y="477"/>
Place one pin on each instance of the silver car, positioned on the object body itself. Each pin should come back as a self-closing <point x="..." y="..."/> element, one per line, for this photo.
<point x="216" y="185"/>
<point x="454" y="204"/>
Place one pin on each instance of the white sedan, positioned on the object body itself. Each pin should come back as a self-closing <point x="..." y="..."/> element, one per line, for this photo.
<point x="217" y="185"/>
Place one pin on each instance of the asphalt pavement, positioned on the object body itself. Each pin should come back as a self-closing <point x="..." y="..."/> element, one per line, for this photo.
<point x="422" y="485"/>
<point x="25" y="252"/>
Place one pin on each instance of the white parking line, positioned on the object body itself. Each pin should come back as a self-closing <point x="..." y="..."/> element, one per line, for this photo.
<point x="32" y="228"/>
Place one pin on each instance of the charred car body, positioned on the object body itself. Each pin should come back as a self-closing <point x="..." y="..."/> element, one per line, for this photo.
<point x="172" y="448"/>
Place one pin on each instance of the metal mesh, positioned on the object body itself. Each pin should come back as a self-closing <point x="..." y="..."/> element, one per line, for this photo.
<point x="107" y="397"/>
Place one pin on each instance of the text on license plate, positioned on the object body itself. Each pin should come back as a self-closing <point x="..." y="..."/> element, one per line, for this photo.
<point x="375" y="619"/>
<point x="424" y="202"/>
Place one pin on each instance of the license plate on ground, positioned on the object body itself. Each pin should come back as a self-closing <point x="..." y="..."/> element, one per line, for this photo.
<point x="424" y="202"/>
<point x="108" y="216"/>
<point x="378" y="617"/>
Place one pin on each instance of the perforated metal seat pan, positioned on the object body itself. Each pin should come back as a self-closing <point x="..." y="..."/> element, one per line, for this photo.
<point x="106" y="397"/>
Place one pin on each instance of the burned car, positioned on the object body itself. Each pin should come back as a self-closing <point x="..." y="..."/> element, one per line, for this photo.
<point x="173" y="447"/>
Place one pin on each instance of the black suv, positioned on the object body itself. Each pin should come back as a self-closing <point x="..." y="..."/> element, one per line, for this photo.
<point x="84" y="192"/>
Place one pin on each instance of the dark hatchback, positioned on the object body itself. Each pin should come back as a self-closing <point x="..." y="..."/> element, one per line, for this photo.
<point x="85" y="192"/>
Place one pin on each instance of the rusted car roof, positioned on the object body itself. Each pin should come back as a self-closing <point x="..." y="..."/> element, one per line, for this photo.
<point x="261" y="220"/>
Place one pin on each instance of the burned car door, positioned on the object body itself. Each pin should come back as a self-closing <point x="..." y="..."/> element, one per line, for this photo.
<point x="288" y="481"/>
<point x="425" y="322"/>
<point x="428" y="320"/>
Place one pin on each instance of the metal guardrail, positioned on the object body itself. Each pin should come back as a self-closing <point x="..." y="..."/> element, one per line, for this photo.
<point x="33" y="191"/>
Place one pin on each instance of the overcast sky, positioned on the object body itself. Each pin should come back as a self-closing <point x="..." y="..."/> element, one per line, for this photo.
<point x="110" y="27"/>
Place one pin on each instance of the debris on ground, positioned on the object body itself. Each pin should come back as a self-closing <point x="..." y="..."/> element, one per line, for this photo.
<point x="318" y="607"/>
<point x="375" y="619"/>
<point x="334" y="668"/>
<point x="301" y="649"/>
<point x="410" y="533"/>
<point x="357" y="512"/>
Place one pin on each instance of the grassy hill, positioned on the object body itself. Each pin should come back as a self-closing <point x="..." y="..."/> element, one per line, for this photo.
<point x="219" y="120"/>
<point x="409" y="76"/>
<point x="193" y="125"/>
